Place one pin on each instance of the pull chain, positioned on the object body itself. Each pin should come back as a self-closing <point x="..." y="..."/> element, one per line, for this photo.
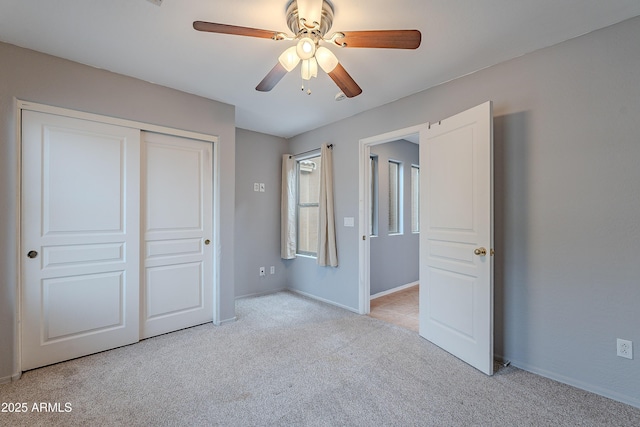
<point x="308" y="88"/>
<point x="308" y="70"/>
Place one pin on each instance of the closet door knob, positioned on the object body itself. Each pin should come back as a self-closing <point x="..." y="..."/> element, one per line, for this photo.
<point x="480" y="252"/>
<point x="206" y="242"/>
<point x="32" y="254"/>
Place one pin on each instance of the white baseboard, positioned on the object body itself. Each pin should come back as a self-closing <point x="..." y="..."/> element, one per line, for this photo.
<point x="393" y="290"/>
<point x="610" y="394"/>
<point x="326" y="301"/>
<point x="5" y="380"/>
<point x="259" y="294"/>
<point x="225" y="321"/>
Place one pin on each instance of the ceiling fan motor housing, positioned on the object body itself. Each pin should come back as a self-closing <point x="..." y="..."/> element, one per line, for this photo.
<point x="326" y="20"/>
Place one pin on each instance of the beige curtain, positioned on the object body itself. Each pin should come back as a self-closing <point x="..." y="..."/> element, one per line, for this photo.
<point x="327" y="251"/>
<point x="288" y="208"/>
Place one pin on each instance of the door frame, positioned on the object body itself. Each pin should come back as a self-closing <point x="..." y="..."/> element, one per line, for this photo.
<point x="21" y="105"/>
<point x="364" y="247"/>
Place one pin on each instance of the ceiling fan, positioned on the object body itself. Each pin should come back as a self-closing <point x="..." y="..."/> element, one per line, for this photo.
<point x="310" y="20"/>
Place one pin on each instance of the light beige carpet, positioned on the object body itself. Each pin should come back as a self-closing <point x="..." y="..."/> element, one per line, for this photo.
<point x="291" y="361"/>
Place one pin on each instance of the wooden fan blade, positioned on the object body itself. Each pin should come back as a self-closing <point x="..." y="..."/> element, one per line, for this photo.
<point x="343" y="80"/>
<point x="386" y="39"/>
<point x="271" y="80"/>
<point x="213" y="27"/>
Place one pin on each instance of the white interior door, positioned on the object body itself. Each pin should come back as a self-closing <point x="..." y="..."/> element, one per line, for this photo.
<point x="456" y="241"/>
<point x="178" y="224"/>
<point x="80" y="237"/>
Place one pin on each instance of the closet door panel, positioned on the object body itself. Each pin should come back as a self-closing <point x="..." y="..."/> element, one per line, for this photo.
<point x="178" y="226"/>
<point x="80" y="237"/>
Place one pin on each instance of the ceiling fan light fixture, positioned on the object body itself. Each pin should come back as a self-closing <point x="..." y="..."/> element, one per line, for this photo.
<point x="306" y="48"/>
<point x="326" y="59"/>
<point x="289" y="59"/>
<point x="309" y="21"/>
<point x="309" y="68"/>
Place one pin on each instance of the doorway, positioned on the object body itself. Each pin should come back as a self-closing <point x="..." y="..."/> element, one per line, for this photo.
<point x="394" y="231"/>
<point x="367" y="147"/>
<point x="456" y="235"/>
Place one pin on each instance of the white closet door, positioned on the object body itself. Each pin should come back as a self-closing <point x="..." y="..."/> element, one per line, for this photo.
<point x="178" y="224"/>
<point x="80" y="237"/>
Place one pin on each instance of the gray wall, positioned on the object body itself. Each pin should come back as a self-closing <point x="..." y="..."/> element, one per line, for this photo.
<point x="337" y="285"/>
<point x="31" y="76"/>
<point x="567" y="203"/>
<point x="394" y="258"/>
<point x="567" y="192"/>
<point x="258" y="159"/>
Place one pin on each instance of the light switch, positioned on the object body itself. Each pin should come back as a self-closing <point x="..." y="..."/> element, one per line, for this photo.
<point x="349" y="221"/>
<point x="262" y="187"/>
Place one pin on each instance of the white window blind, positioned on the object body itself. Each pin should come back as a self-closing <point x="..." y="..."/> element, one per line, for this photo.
<point x="373" y="195"/>
<point x="394" y="197"/>
<point x="415" y="199"/>
<point x="308" y="202"/>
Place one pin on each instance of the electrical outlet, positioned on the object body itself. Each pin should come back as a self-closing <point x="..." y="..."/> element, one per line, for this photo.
<point x="272" y="269"/>
<point x="625" y="348"/>
<point x="262" y="271"/>
<point x="256" y="186"/>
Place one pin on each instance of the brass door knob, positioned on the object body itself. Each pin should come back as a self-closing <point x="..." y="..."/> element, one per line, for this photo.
<point x="480" y="251"/>
<point x="206" y="242"/>
<point x="32" y="254"/>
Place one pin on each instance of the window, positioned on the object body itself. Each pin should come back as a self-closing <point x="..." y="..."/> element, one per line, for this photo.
<point x="415" y="199"/>
<point x="308" y="174"/>
<point x="395" y="212"/>
<point x="373" y="195"/>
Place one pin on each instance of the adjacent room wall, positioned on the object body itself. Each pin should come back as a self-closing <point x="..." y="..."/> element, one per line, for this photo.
<point x="567" y="203"/>
<point x="394" y="258"/>
<point x="32" y="76"/>
<point x="259" y="160"/>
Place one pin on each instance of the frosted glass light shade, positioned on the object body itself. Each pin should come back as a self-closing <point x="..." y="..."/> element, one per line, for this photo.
<point x="289" y="58"/>
<point x="306" y="48"/>
<point x="326" y="59"/>
<point x="309" y="68"/>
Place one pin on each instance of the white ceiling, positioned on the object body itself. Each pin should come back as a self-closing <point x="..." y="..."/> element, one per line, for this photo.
<point x="158" y="44"/>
